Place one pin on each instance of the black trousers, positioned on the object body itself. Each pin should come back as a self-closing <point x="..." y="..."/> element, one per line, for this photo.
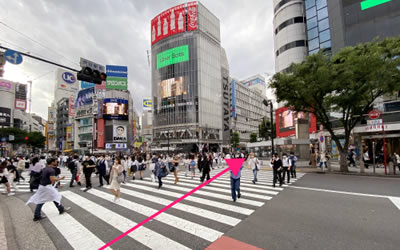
<point x="293" y="171"/>
<point x="88" y="174"/>
<point x="286" y="171"/>
<point x="101" y="176"/>
<point x="159" y="181"/>
<point x="73" y="177"/>
<point x="205" y="173"/>
<point x="277" y="177"/>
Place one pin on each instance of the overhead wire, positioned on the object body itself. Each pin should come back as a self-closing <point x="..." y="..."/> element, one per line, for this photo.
<point x="33" y="40"/>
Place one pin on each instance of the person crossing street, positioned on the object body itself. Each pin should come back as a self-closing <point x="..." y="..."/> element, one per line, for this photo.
<point x="47" y="192"/>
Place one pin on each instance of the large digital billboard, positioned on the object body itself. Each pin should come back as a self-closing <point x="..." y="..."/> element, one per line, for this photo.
<point x="173" y="87"/>
<point x="115" y="108"/>
<point x="172" y="56"/>
<point x="173" y="21"/>
<point x="285" y="121"/>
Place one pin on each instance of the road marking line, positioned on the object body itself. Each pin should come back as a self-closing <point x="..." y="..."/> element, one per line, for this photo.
<point x="395" y="200"/>
<point x="231" y="221"/>
<point x="195" y="229"/>
<point x="78" y="236"/>
<point x="214" y="195"/>
<point x="199" y="200"/>
<point x="143" y="235"/>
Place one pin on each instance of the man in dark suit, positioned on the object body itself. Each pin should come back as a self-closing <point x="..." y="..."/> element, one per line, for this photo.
<point x="277" y="167"/>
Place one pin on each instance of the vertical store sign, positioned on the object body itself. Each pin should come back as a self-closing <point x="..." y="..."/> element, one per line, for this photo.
<point x="226" y="110"/>
<point x="233" y="98"/>
<point x="117" y="77"/>
<point x="100" y="133"/>
<point x="71" y="106"/>
<point x="192" y="15"/>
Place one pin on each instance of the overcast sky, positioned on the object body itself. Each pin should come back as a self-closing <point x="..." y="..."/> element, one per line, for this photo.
<point x="118" y="32"/>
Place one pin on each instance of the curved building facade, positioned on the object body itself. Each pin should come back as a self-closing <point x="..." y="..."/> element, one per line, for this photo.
<point x="186" y="78"/>
<point x="290" y="36"/>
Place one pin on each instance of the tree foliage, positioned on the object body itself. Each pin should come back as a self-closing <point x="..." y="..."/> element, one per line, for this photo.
<point x="265" y="129"/>
<point x="235" y="139"/>
<point x="253" y="137"/>
<point x="347" y="83"/>
<point x="35" y="139"/>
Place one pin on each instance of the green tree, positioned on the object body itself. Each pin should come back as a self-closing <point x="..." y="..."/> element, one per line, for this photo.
<point x="19" y="135"/>
<point x="264" y="129"/>
<point x="347" y="83"/>
<point x="253" y="137"/>
<point x="235" y="139"/>
<point x="36" y="139"/>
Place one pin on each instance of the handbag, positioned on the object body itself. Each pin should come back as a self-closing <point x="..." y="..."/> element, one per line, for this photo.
<point x="120" y="178"/>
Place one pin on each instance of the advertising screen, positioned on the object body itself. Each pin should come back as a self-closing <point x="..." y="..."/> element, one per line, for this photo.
<point x="285" y="121"/>
<point x="173" y="87"/>
<point x="84" y="97"/>
<point x="114" y="108"/>
<point x="119" y="133"/>
<point x="172" y="56"/>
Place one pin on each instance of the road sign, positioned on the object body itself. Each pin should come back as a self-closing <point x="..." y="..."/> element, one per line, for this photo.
<point x="374" y="114"/>
<point x="13" y="57"/>
<point x="94" y="66"/>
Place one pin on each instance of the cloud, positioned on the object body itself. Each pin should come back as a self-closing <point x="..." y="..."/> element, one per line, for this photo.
<point x="118" y="32"/>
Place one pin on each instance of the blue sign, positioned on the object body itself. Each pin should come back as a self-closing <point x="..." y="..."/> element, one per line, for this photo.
<point x="86" y="85"/>
<point x="233" y="98"/>
<point x="3" y="139"/>
<point x="117" y="71"/>
<point x="68" y="77"/>
<point x="84" y="97"/>
<point x="13" y="57"/>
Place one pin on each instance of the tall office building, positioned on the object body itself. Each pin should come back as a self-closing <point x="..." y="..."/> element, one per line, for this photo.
<point x="187" y="79"/>
<point x="290" y="36"/>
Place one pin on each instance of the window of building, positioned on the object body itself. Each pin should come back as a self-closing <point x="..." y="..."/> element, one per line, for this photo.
<point x="312" y="12"/>
<point x="321" y="4"/>
<point x="310" y="3"/>
<point x="313" y="44"/>
<point x="312" y="33"/>
<point x="324" y="36"/>
<point x="323" y="24"/>
<point x="323" y="13"/>
<point x="326" y="45"/>
<point x="312" y="22"/>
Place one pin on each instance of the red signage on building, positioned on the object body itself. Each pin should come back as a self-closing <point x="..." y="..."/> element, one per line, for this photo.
<point x="285" y="121"/>
<point x="192" y="16"/>
<point x="172" y="21"/>
<point x="374" y="114"/>
<point x="100" y="133"/>
<point x="71" y="106"/>
<point x="20" y="104"/>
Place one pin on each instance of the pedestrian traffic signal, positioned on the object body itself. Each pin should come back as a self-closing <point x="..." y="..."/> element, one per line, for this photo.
<point x="26" y="138"/>
<point x="93" y="76"/>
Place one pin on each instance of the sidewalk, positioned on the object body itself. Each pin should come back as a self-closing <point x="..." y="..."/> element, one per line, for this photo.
<point x="303" y="167"/>
<point x="17" y="229"/>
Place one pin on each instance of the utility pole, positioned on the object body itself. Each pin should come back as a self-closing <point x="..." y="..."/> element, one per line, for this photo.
<point x="271" y="111"/>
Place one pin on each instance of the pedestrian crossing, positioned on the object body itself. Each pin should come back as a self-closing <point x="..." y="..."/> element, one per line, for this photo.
<point x="23" y="186"/>
<point x="194" y="223"/>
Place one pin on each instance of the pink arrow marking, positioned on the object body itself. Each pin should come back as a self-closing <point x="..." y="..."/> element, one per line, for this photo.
<point x="233" y="164"/>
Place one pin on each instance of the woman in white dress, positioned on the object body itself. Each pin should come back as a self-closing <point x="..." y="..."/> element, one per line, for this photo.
<point x="116" y="178"/>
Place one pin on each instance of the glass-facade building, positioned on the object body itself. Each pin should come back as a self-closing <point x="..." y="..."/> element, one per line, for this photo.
<point x="318" y="28"/>
<point x="186" y="78"/>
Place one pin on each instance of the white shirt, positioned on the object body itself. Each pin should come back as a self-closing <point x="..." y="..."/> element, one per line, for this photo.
<point x="286" y="162"/>
<point x="253" y="161"/>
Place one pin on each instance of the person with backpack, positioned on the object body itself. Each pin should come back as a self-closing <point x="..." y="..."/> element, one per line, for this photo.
<point x="186" y="163"/>
<point x="192" y="166"/>
<point x="255" y="166"/>
<point x="35" y="169"/>
<point x="205" y="167"/>
<point x="235" y="184"/>
<point x="73" y="168"/>
<point x="116" y="178"/>
<point x="161" y="171"/>
<point x="293" y="160"/>
<point x="88" y="169"/>
<point x="142" y="166"/>
<point x="134" y="167"/>
<point x="101" y="169"/>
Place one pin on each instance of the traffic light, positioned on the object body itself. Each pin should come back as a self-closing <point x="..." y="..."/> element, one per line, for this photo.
<point x="93" y="76"/>
<point x="26" y="138"/>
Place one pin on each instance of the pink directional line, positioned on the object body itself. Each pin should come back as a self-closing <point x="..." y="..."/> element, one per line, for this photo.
<point x="233" y="164"/>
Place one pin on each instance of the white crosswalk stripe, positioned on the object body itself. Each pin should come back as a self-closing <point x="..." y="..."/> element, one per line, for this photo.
<point x="193" y="223"/>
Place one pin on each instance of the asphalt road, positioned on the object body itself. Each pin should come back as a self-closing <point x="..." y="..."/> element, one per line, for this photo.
<point x="308" y="219"/>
